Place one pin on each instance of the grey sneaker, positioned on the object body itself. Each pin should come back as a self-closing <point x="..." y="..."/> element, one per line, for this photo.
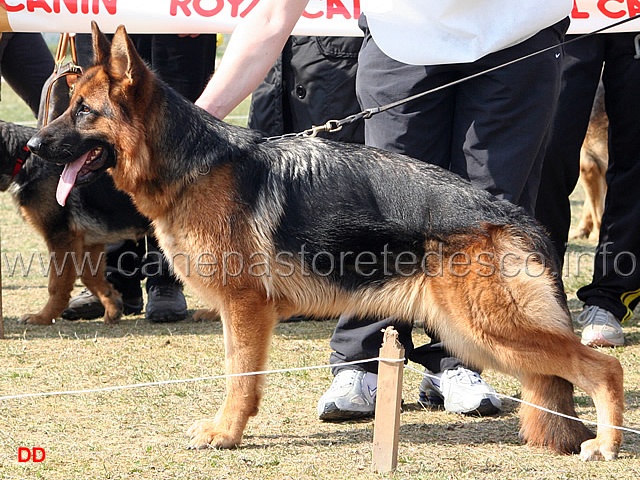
<point x="600" y="328"/>
<point x="464" y="391"/>
<point x="430" y="395"/>
<point x="86" y="306"/>
<point x="352" y="395"/>
<point x="165" y="303"/>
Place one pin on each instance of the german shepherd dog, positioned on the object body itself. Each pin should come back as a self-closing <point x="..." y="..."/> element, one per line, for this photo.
<point x="263" y="230"/>
<point x="95" y="215"/>
<point x="594" y="160"/>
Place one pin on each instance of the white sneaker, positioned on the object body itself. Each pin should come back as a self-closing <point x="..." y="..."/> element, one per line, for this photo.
<point x="352" y="395"/>
<point x="600" y="328"/>
<point x="464" y="391"/>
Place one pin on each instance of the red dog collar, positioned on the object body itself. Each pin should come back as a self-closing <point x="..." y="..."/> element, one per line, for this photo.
<point x="22" y="157"/>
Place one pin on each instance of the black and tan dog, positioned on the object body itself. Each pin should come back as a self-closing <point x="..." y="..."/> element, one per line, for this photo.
<point x="95" y="215"/>
<point x="594" y="160"/>
<point x="264" y="230"/>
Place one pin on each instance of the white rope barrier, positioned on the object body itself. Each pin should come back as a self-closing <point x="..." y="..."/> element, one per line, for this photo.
<point x="544" y="409"/>
<point x="286" y="370"/>
<point x="187" y="380"/>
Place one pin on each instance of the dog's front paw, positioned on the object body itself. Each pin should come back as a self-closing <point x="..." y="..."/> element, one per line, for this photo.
<point x="35" y="319"/>
<point x="206" y="315"/>
<point x="580" y="233"/>
<point x="206" y="434"/>
<point x="113" y="317"/>
<point x="596" y="449"/>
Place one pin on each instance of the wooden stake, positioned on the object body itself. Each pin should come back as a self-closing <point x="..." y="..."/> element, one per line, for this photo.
<point x="386" y="430"/>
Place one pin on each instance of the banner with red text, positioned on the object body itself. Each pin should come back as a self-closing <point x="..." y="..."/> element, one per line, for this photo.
<point x="321" y="17"/>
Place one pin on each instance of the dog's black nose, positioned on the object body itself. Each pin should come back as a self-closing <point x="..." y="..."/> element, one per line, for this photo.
<point x="35" y="144"/>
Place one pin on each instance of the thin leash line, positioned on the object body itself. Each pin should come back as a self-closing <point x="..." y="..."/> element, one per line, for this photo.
<point x="336" y="125"/>
<point x="544" y="409"/>
<point x="192" y="380"/>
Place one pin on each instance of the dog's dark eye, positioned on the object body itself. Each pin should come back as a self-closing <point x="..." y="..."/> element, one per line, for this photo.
<point x="83" y="110"/>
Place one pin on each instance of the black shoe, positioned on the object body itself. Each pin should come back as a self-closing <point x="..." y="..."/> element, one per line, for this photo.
<point x="86" y="306"/>
<point x="165" y="303"/>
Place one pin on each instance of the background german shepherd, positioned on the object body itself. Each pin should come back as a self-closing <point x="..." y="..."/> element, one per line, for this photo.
<point x="594" y="160"/>
<point x="265" y="230"/>
<point x="94" y="216"/>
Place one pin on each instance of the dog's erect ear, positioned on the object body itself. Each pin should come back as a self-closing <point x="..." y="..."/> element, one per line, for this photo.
<point x="101" y="45"/>
<point x="124" y="63"/>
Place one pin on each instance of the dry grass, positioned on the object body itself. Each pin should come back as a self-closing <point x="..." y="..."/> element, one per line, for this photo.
<point x="138" y="433"/>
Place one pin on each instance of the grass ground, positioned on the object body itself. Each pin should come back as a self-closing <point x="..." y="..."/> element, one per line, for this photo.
<point x="139" y="433"/>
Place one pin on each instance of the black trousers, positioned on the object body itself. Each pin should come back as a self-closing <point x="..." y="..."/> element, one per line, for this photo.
<point x="492" y="130"/>
<point x="25" y="63"/>
<point x="616" y="278"/>
<point x="186" y="64"/>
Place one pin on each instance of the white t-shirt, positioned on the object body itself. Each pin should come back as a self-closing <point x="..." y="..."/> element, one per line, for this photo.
<point x="431" y="32"/>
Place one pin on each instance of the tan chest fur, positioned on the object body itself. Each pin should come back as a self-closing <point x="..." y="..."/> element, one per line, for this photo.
<point x="205" y="234"/>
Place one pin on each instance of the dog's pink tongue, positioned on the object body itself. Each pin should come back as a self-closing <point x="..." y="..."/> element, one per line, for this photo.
<point x="68" y="179"/>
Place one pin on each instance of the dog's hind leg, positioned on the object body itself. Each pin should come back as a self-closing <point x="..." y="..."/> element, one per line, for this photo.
<point x="544" y="429"/>
<point x="248" y="320"/>
<point x="548" y="357"/>
<point x="520" y="325"/>
<point x="62" y="275"/>
<point x="93" y="275"/>
<point x="600" y="376"/>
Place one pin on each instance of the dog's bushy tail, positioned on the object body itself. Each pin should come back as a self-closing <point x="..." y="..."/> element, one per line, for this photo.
<point x="544" y="429"/>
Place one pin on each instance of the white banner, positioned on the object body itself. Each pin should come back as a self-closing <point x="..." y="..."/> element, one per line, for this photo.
<point x="321" y="17"/>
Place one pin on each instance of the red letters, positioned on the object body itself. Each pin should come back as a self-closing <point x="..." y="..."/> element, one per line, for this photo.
<point x="203" y="12"/>
<point x="189" y="7"/>
<point x="336" y="7"/>
<point x="249" y="8"/>
<point x="306" y="14"/>
<point x="35" y="454"/>
<point x="184" y="6"/>
<point x="608" y="9"/>
<point x="602" y="6"/>
<point x="24" y="454"/>
<point x="11" y="8"/>
<point x="72" y="6"/>
<point x="33" y="4"/>
<point x="111" y="6"/>
<point x="54" y="6"/>
<point x="234" y="7"/>
<point x="575" y="13"/>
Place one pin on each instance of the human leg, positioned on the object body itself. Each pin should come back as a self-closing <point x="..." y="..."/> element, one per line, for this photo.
<point x="615" y="285"/>
<point x="165" y="299"/>
<point x="26" y="64"/>
<point x="420" y="129"/>
<point x="502" y="118"/>
<point x="185" y="63"/>
<point x="582" y="66"/>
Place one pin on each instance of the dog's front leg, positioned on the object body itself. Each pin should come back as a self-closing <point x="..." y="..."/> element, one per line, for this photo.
<point x="247" y="326"/>
<point x="62" y="276"/>
<point x="95" y="279"/>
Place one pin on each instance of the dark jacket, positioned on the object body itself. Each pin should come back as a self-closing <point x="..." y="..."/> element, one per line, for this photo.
<point x="313" y="81"/>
